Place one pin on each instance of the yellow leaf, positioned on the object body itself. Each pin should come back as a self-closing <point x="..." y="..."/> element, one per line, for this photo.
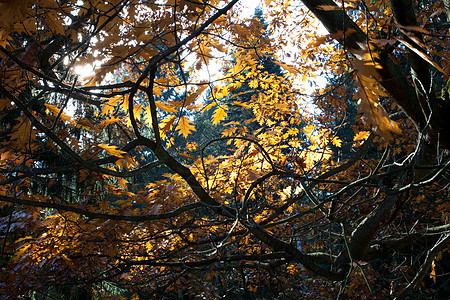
<point x="209" y="106"/>
<point x="413" y="28"/>
<point x="372" y="112"/>
<point x="337" y="141"/>
<point x="137" y="111"/>
<point x="112" y="150"/>
<point x="110" y="104"/>
<point x="185" y="127"/>
<point x="87" y="124"/>
<point x="55" y="110"/>
<point x="232" y="123"/>
<point x="291" y="69"/>
<point x="308" y="129"/>
<point x="148" y="115"/>
<point x="167" y="123"/>
<point x="219" y="115"/>
<point x="166" y="107"/>
<point x="109" y="121"/>
<point x="229" y="131"/>
<point x="253" y="84"/>
<point x="244" y="105"/>
<point x="24" y="239"/>
<point x="362" y="135"/>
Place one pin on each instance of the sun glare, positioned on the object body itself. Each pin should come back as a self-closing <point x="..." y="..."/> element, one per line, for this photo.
<point x="84" y="71"/>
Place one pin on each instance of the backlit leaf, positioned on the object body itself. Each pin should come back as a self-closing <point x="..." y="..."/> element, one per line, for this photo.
<point x="112" y="150"/>
<point x="219" y="114"/>
<point x="185" y="126"/>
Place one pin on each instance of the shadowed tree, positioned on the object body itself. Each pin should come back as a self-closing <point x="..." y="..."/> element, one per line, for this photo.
<point x="104" y="193"/>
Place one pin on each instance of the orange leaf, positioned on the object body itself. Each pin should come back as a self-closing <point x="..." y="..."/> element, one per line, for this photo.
<point x="55" y="110"/>
<point x="362" y="135"/>
<point x="166" y="107"/>
<point x="185" y="127"/>
<point x="112" y="150"/>
<point x="219" y="115"/>
<point x="433" y="272"/>
<point x="328" y="7"/>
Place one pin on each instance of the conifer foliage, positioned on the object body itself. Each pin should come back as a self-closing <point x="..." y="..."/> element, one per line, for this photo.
<point x="178" y="149"/>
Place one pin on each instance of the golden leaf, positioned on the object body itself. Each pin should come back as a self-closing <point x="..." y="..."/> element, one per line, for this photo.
<point x="219" y="115"/>
<point x="166" y="107"/>
<point x="328" y="7"/>
<point x="112" y="150"/>
<point x="337" y="142"/>
<point x="55" y="110"/>
<point x="362" y="135"/>
<point x="253" y="83"/>
<point x="185" y="127"/>
<point x="167" y="123"/>
<point x="373" y="113"/>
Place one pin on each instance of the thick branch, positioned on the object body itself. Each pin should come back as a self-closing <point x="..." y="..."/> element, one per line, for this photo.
<point x="392" y="79"/>
<point x="389" y="245"/>
<point x="94" y="215"/>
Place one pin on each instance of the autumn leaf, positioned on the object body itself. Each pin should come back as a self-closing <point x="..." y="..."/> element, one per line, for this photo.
<point x="87" y="124"/>
<point x="56" y="111"/>
<point x="337" y="142"/>
<point x="362" y="135"/>
<point x="219" y="114"/>
<point x="185" y="127"/>
<point x="112" y="150"/>
<point x="167" y="123"/>
<point x="412" y="28"/>
<point x="166" y="107"/>
<point x="372" y="112"/>
<point x="109" y="105"/>
<point x="253" y="84"/>
<point x="271" y="181"/>
<point x="433" y="271"/>
<point x="328" y="7"/>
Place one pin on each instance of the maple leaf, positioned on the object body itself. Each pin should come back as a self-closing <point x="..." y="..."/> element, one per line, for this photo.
<point x="185" y="127"/>
<point x="337" y="142"/>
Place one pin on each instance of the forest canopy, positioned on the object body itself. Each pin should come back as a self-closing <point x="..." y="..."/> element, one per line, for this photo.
<point x="181" y="149"/>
